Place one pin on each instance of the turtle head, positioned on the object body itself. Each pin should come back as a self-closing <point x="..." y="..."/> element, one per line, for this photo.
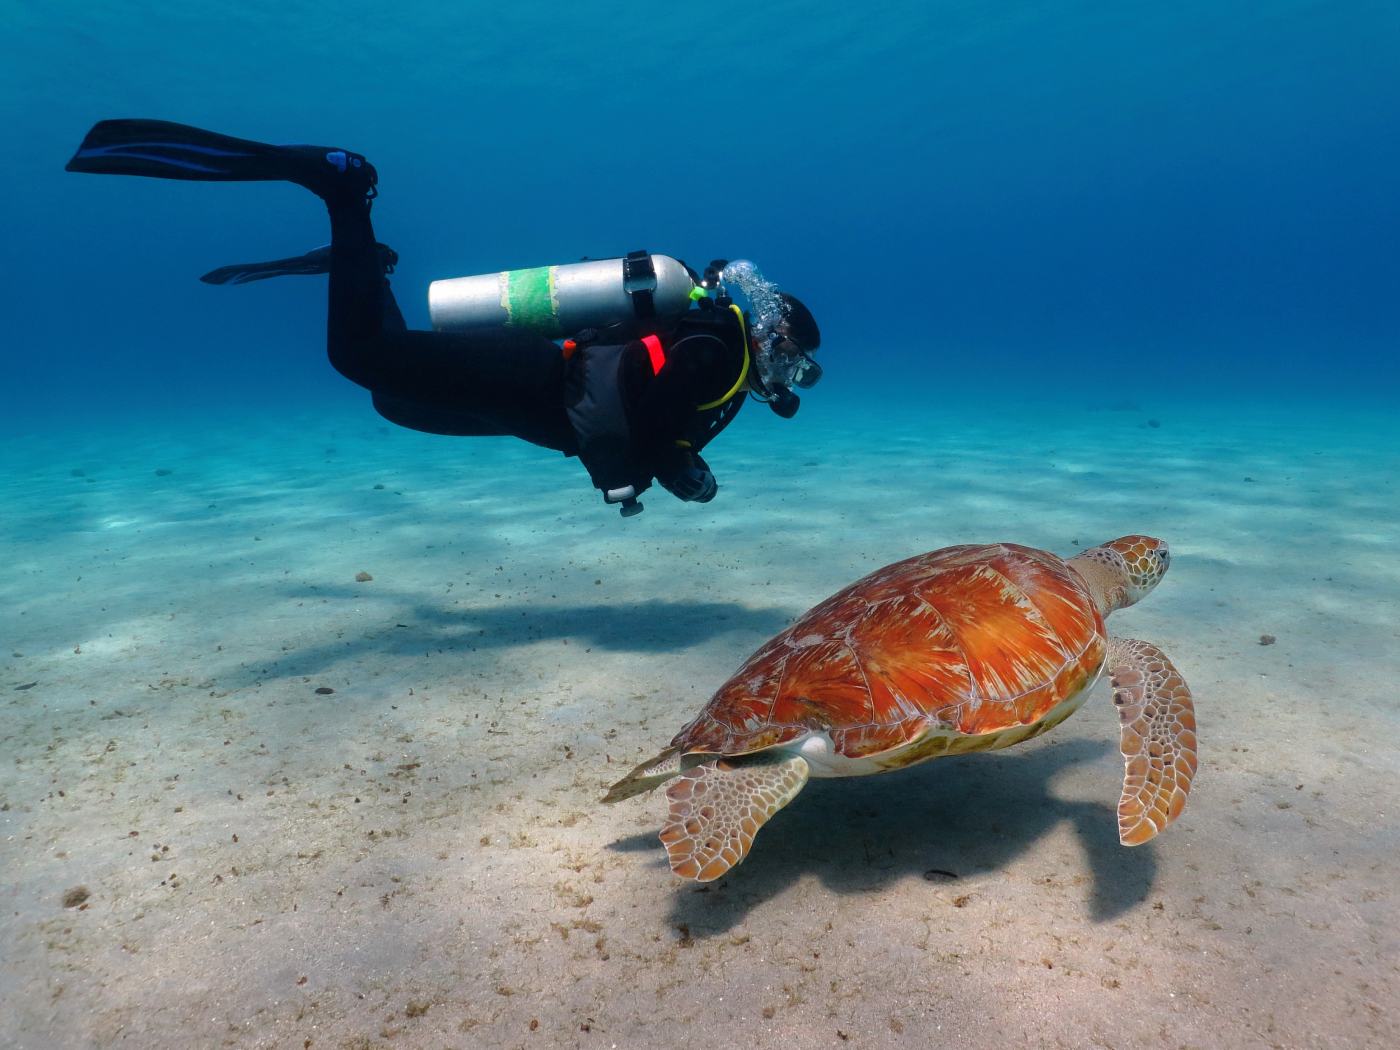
<point x="1123" y="571"/>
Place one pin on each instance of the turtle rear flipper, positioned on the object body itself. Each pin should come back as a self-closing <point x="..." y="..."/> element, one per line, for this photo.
<point x="1157" y="738"/>
<point x="718" y="807"/>
<point x="652" y="773"/>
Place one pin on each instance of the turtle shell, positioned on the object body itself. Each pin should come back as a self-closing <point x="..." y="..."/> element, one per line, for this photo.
<point x="969" y="639"/>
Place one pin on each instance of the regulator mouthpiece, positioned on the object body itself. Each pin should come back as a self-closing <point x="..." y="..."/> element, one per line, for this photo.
<point x="784" y="402"/>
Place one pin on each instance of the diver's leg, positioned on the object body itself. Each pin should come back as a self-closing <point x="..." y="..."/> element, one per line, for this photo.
<point x="511" y="376"/>
<point x="491" y="382"/>
<point x="361" y="311"/>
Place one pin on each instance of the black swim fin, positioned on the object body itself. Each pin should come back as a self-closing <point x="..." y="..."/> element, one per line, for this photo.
<point x="159" y="149"/>
<point x="318" y="260"/>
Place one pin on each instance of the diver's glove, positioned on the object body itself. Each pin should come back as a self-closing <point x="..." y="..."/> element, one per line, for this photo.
<point x="687" y="477"/>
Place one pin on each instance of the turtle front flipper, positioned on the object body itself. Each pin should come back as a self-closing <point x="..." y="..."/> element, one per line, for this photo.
<point x="1157" y="738"/>
<point x="718" y="807"/>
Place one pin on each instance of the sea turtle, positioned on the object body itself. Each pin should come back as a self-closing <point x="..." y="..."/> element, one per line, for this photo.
<point x="968" y="648"/>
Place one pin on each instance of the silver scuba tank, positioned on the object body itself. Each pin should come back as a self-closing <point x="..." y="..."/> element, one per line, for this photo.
<point x="558" y="301"/>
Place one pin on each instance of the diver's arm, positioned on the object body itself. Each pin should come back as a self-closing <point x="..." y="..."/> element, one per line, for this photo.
<point x="685" y="475"/>
<point x="668" y="402"/>
<point x="667" y="410"/>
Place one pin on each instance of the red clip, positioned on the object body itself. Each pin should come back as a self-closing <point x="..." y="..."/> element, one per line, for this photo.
<point x="654" y="351"/>
<point x="569" y="347"/>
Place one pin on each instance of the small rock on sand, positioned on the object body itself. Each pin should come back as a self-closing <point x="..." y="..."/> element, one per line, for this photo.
<point x="363" y="577"/>
<point x="1267" y="639"/>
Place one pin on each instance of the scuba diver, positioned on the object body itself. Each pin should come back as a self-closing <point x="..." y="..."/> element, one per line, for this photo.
<point x="655" y="359"/>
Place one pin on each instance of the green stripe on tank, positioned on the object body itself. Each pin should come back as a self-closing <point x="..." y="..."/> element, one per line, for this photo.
<point x="529" y="300"/>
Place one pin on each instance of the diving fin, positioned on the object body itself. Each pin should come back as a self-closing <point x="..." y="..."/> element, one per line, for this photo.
<point x="318" y="260"/>
<point x="160" y="149"/>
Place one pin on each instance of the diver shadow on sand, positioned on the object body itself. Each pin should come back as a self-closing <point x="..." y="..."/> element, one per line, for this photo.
<point x="415" y="628"/>
<point x="638" y="627"/>
<point x="969" y="816"/>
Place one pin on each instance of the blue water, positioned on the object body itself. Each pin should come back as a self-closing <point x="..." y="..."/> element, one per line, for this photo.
<point x="1195" y="199"/>
<point x="1082" y="269"/>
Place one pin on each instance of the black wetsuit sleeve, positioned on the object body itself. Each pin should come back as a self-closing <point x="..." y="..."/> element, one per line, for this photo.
<point x="667" y="405"/>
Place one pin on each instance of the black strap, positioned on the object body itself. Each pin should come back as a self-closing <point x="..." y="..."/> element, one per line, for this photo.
<point x="639" y="282"/>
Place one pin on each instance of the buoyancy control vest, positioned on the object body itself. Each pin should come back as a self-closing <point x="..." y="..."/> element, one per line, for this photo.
<point x="595" y="396"/>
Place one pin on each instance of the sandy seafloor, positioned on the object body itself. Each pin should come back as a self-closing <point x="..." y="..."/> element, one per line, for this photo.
<point x="418" y="858"/>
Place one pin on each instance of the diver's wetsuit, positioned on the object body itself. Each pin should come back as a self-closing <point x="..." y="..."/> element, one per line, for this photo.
<point x="503" y="382"/>
<point x="492" y="382"/>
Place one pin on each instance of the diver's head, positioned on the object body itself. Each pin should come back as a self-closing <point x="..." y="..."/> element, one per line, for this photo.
<point x="783" y="357"/>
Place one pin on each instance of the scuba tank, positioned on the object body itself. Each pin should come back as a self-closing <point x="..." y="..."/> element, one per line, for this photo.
<point x="557" y="301"/>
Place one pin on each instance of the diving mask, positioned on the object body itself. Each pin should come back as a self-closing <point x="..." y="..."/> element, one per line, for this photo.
<point x="784" y="363"/>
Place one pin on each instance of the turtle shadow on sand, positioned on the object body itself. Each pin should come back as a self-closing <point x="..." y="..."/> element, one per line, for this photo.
<point x="969" y="816"/>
